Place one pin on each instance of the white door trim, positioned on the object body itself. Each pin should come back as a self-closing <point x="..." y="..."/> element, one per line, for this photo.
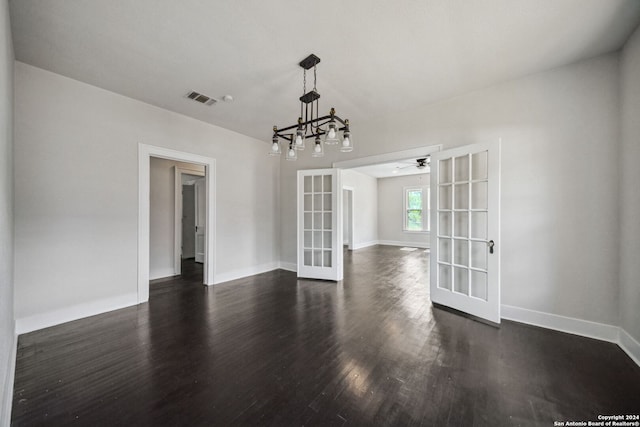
<point x="388" y="157"/>
<point x="145" y="152"/>
<point x="177" y="226"/>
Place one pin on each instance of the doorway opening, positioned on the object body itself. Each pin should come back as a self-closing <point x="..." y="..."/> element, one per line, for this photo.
<point x="347" y="216"/>
<point x="190" y="224"/>
<point x="145" y="153"/>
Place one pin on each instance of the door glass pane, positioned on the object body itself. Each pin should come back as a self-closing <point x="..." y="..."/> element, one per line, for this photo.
<point x="444" y="225"/>
<point x="461" y="280"/>
<point x="327" y="202"/>
<point x="327" y="240"/>
<point x="479" y="195"/>
<point x="444" y="167"/>
<point x="307" y="202"/>
<point x="461" y="224"/>
<point x="327" y="184"/>
<point x="444" y="276"/>
<point x="327" y="258"/>
<point x="317" y="202"/>
<point x="307" y="257"/>
<point x="479" y="255"/>
<point x="461" y="196"/>
<point x="327" y="221"/>
<point x="317" y="184"/>
<point x="479" y="225"/>
<point x="308" y="224"/>
<point x="479" y="165"/>
<point x="462" y="168"/>
<point x="461" y="252"/>
<point x="308" y="243"/>
<point x="307" y="184"/>
<point x="317" y="258"/>
<point x="444" y="250"/>
<point x="479" y="284"/>
<point x="317" y="221"/>
<point x="444" y="194"/>
<point x="317" y="239"/>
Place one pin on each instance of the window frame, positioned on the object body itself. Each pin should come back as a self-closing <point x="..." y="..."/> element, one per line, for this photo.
<point x="425" y="210"/>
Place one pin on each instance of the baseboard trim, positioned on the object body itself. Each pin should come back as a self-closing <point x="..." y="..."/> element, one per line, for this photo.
<point x="7" y="390"/>
<point x="630" y="346"/>
<point x="363" y="245"/>
<point x="289" y="266"/>
<point x="570" y="325"/>
<point x="407" y="244"/>
<point x="162" y="274"/>
<point x="68" y="314"/>
<point x="245" y="272"/>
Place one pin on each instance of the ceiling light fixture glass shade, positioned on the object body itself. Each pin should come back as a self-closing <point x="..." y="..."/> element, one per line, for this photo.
<point x="310" y="125"/>
<point x="347" y="143"/>
<point x="275" y="145"/>
<point x="299" y="139"/>
<point x="292" y="153"/>
<point x="318" y="149"/>
<point x="331" y="137"/>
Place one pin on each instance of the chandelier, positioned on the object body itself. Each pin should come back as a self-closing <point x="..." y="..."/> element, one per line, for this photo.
<point x="323" y="130"/>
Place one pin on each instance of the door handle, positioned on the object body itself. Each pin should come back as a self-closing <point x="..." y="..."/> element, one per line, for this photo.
<point x="491" y="244"/>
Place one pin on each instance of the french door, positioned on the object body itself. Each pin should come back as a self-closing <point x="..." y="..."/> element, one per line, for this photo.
<point x="319" y="224"/>
<point x="465" y="229"/>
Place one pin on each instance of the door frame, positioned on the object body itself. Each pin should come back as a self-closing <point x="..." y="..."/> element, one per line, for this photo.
<point x="351" y="219"/>
<point x="145" y="153"/>
<point x="177" y="230"/>
<point x="388" y="157"/>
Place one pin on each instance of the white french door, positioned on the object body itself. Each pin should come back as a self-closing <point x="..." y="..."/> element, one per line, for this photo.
<point x="465" y="229"/>
<point x="319" y="224"/>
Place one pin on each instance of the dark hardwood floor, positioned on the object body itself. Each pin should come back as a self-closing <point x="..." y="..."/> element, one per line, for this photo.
<point x="273" y="350"/>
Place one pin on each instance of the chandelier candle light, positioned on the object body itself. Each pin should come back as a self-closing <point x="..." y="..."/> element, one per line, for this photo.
<point x="311" y="126"/>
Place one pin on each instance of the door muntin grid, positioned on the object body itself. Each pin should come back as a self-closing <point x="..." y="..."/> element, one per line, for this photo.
<point x="462" y="225"/>
<point x="318" y="227"/>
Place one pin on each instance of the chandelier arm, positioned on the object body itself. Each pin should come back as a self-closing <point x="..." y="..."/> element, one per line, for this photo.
<point x="319" y="119"/>
<point x="287" y="137"/>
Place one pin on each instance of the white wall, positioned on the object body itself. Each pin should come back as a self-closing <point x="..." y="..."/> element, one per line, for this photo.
<point x="391" y="211"/>
<point x="629" y="193"/>
<point x="346" y="213"/>
<point x="7" y="334"/>
<point x="77" y="199"/>
<point x="559" y="179"/>
<point x="365" y="207"/>
<point x="162" y="216"/>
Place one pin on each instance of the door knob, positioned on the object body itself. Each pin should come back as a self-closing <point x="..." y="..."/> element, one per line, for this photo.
<point x="491" y="244"/>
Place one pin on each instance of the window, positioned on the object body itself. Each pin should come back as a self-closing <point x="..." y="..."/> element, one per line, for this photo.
<point x="416" y="209"/>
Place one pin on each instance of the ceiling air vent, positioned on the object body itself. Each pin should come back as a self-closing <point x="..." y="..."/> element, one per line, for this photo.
<point x="203" y="99"/>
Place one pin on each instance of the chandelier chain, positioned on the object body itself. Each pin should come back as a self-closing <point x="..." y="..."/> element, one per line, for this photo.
<point x="315" y="78"/>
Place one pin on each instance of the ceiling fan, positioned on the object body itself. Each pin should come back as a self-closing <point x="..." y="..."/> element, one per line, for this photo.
<point x="420" y="163"/>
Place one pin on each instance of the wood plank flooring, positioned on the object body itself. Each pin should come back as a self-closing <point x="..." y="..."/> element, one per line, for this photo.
<point x="274" y="350"/>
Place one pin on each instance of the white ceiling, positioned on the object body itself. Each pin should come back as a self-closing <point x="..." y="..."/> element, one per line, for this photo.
<point x="392" y="169"/>
<point x="378" y="57"/>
